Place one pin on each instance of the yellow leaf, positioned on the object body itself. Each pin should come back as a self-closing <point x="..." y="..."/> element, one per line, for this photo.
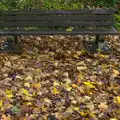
<point x="76" y="108"/>
<point x="69" y="29"/>
<point x="9" y="93"/>
<point x="68" y="88"/>
<point x="92" y="114"/>
<point x="116" y="72"/>
<point x="47" y="101"/>
<point x="112" y="119"/>
<point x="1" y="103"/>
<point x="63" y="118"/>
<point x="28" y="98"/>
<point x="89" y="84"/>
<point x="80" y="76"/>
<point x="44" y="108"/>
<point x="55" y="91"/>
<point x="74" y="85"/>
<point x="76" y="56"/>
<point x="36" y="86"/>
<point x="27" y="84"/>
<point x="24" y="91"/>
<point x="56" y="83"/>
<point x="83" y="113"/>
<point x="28" y="78"/>
<point x="28" y="103"/>
<point x="18" y="77"/>
<point x="83" y="52"/>
<point x="118" y="99"/>
<point x="79" y="68"/>
<point x="102" y="56"/>
<point x="38" y="70"/>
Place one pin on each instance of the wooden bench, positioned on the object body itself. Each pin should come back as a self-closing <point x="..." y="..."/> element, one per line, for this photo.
<point x="55" y="22"/>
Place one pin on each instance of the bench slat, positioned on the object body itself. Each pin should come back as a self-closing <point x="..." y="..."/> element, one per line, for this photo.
<point x="55" y="23"/>
<point x="54" y="12"/>
<point x="56" y="18"/>
<point x="59" y="32"/>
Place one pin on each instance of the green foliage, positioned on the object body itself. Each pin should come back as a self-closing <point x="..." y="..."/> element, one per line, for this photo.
<point x="106" y="3"/>
<point x="117" y="21"/>
<point x="8" y="4"/>
<point x="55" y="4"/>
<point x="60" y="4"/>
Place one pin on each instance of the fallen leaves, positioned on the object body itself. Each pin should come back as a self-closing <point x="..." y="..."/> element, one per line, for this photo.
<point x="36" y="86"/>
<point x="68" y="87"/>
<point x="103" y="106"/>
<point x="76" y="87"/>
<point x="9" y="94"/>
<point x="28" y="78"/>
<point x="55" y="91"/>
<point x="26" y="84"/>
<point x="118" y="99"/>
<point x="116" y="72"/>
<point x="89" y="84"/>
<point x="1" y="103"/>
<point x="8" y="64"/>
<point x="24" y="91"/>
<point x="4" y="117"/>
<point x="113" y="119"/>
<point x="79" y="68"/>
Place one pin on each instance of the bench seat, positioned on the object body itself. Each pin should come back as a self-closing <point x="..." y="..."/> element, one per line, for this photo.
<point x="111" y="31"/>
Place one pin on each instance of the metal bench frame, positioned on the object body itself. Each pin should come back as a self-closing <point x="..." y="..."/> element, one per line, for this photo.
<point x="96" y="22"/>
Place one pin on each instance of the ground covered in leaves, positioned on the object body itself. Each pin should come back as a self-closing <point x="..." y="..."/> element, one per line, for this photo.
<point x="56" y="78"/>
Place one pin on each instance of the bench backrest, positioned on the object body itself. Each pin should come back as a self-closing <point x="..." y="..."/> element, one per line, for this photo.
<point x="38" y="18"/>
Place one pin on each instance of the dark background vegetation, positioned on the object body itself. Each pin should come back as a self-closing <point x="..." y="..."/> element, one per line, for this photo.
<point x="63" y="4"/>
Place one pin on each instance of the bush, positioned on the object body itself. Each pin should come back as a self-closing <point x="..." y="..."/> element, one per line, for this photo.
<point x="61" y="4"/>
<point x="56" y="4"/>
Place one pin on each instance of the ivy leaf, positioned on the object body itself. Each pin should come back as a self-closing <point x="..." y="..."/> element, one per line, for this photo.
<point x="15" y="110"/>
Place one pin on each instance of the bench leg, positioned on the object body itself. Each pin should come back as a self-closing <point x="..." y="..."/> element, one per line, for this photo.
<point x="92" y="46"/>
<point x="11" y="45"/>
<point x="99" y="45"/>
<point x="102" y="44"/>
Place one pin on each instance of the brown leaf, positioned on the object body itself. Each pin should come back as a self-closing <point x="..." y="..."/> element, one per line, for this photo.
<point x="36" y="86"/>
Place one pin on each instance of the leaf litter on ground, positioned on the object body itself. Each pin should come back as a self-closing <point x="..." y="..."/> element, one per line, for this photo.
<point x="55" y="77"/>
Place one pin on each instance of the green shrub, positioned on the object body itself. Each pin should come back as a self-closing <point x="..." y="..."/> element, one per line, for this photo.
<point x="61" y="4"/>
